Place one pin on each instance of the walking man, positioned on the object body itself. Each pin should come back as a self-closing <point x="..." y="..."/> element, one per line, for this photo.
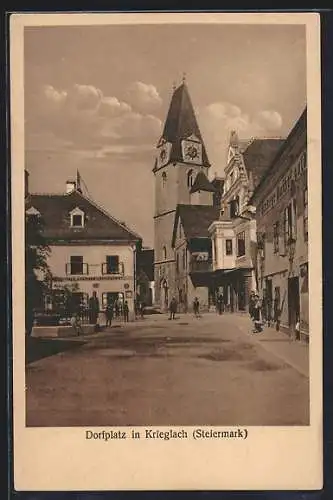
<point x="173" y="308"/>
<point x="220" y="302"/>
<point x="93" y="309"/>
<point x="126" y="311"/>
<point x="109" y="313"/>
<point x="196" y="306"/>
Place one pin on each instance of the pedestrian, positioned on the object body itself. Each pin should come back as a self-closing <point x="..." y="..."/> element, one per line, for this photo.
<point x="277" y="313"/>
<point x="220" y="303"/>
<point x="76" y="324"/>
<point x="251" y="303"/>
<point x="93" y="309"/>
<point x="109" y="313"/>
<point x="142" y="309"/>
<point x="298" y="328"/>
<point x="196" y="306"/>
<point x="116" y="309"/>
<point x="257" y="317"/>
<point x="173" y="308"/>
<point x="126" y="311"/>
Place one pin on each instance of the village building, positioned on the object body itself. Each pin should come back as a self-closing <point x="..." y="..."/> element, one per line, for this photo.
<point x="181" y="179"/>
<point x="281" y="201"/>
<point x="145" y="276"/>
<point x="91" y="251"/>
<point x="233" y="233"/>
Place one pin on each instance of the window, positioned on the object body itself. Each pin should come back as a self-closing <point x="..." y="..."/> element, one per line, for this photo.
<point x="184" y="259"/>
<point x="177" y="262"/>
<point x="76" y="264"/>
<point x="228" y="247"/>
<point x="241" y="244"/>
<point x="190" y="178"/>
<point x="305" y="214"/>
<point x="276" y="236"/>
<point x="164" y="179"/>
<point x="231" y="178"/>
<point x="290" y="222"/>
<point x="112" y="264"/>
<point x="77" y="221"/>
<point x="77" y="218"/>
<point x="234" y="207"/>
<point x="180" y="231"/>
<point x="164" y="252"/>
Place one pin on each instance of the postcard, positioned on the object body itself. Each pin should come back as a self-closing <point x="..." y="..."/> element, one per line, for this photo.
<point x="166" y="242"/>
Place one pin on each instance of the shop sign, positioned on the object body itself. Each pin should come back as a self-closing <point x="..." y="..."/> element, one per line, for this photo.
<point x="285" y="184"/>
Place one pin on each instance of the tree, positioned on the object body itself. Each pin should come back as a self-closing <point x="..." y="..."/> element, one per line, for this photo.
<point x="37" y="272"/>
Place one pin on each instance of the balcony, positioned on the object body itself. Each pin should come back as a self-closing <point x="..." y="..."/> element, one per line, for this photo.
<point x="116" y="269"/>
<point x="201" y="266"/>
<point x="77" y="268"/>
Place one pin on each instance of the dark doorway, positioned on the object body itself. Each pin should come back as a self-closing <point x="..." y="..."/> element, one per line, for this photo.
<point x="293" y="303"/>
<point x="241" y="295"/>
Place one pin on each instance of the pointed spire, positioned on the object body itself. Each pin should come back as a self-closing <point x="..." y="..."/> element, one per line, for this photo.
<point x="181" y="123"/>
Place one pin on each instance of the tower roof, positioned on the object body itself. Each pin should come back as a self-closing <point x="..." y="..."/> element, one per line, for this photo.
<point x="201" y="183"/>
<point x="181" y="123"/>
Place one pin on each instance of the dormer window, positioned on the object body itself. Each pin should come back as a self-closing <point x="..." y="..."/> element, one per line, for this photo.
<point x="164" y="179"/>
<point x="77" y="218"/>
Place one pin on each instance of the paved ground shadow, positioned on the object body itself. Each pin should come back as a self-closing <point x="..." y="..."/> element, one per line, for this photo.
<point x="36" y="348"/>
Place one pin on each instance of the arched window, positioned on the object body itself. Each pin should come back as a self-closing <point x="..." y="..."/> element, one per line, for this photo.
<point x="190" y="178"/>
<point x="164" y="252"/>
<point x="164" y="179"/>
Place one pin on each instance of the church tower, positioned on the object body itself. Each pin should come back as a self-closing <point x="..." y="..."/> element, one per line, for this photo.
<point x="180" y="157"/>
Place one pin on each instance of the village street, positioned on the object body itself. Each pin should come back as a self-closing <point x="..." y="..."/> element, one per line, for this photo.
<point x="205" y="371"/>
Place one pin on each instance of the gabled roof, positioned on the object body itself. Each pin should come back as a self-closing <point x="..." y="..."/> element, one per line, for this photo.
<point x="55" y="211"/>
<point x="201" y="183"/>
<point x="300" y="125"/>
<point x="181" y="123"/>
<point x="258" y="157"/>
<point x="195" y="220"/>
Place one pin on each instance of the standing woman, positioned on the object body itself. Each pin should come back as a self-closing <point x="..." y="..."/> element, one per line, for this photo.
<point x="257" y="318"/>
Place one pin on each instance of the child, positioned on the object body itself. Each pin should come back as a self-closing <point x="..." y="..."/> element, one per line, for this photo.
<point x="76" y="324"/>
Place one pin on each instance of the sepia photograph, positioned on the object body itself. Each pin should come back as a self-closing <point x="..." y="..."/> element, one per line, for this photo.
<point x="166" y="244"/>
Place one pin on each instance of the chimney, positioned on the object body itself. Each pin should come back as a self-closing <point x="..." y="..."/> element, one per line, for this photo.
<point x="26" y="183"/>
<point x="70" y="186"/>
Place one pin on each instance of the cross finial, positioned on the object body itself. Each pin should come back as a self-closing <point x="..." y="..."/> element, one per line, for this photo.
<point x="174" y="85"/>
<point x="184" y="77"/>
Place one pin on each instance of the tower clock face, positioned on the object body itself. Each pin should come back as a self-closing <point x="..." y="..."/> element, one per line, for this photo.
<point x="192" y="151"/>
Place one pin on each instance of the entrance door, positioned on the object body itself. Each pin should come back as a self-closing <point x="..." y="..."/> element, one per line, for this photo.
<point x="293" y="303"/>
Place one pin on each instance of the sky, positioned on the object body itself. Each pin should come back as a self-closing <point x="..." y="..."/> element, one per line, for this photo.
<point x="96" y="98"/>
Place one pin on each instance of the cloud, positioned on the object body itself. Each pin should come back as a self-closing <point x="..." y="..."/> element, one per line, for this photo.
<point x="111" y="106"/>
<point x="81" y="116"/>
<point x="219" y="119"/>
<point x="268" y="120"/>
<point x="143" y="97"/>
